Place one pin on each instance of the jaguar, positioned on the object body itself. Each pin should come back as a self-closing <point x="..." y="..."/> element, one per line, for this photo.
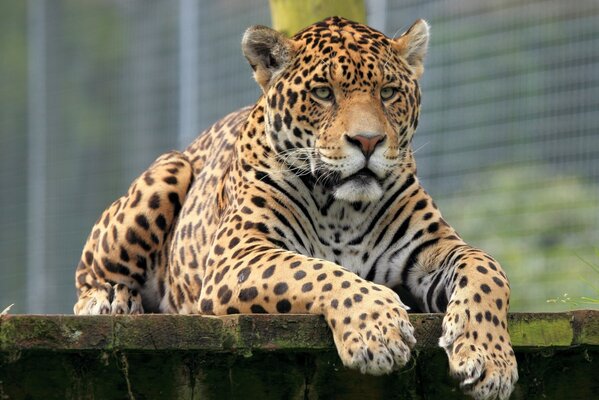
<point x="308" y="202"/>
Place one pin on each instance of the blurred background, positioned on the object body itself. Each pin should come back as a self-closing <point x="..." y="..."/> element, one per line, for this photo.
<point x="508" y="145"/>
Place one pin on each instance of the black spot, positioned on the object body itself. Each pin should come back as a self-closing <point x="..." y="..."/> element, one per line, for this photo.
<point x="248" y="294"/>
<point x="287" y="120"/>
<point x="463" y="281"/>
<point x="347" y="302"/>
<point x="498" y="281"/>
<point x="171" y="180"/>
<point x="258" y="309"/>
<point x="299" y="275"/>
<point x="89" y="257"/>
<point x="485" y="288"/>
<point x="280" y="288"/>
<point x="258" y="201"/>
<point x="174" y="199"/>
<point x="434" y="227"/>
<point x="218" y="250"/>
<point x="206" y="306"/>
<point x="327" y="287"/>
<point x="357" y="298"/>
<point x="306" y="287"/>
<point x="255" y="259"/>
<point x="499" y="303"/>
<point x="161" y="222"/>
<point x="225" y="295"/>
<point x="482" y="269"/>
<point x="477" y="298"/>
<point x="268" y="272"/>
<point x="234" y="242"/>
<point x="142" y="221"/>
<point x="277" y="125"/>
<point x="292" y="96"/>
<point x="295" y="264"/>
<point x="321" y="277"/>
<point x="420" y="205"/>
<point x="232" y="310"/>
<point x="244" y="274"/>
<point x="488" y="315"/>
<point x="262" y="227"/>
<point x="457" y="348"/>
<point x="141" y="262"/>
<point x="345" y="284"/>
<point x="136" y="200"/>
<point x="124" y="255"/>
<point x="479" y="317"/>
<point x="284" y="306"/>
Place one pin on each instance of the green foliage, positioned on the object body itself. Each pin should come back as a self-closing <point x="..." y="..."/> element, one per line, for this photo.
<point x="536" y="222"/>
<point x="583" y="301"/>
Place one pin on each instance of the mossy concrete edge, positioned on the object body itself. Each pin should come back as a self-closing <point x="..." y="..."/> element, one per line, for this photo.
<point x="255" y="332"/>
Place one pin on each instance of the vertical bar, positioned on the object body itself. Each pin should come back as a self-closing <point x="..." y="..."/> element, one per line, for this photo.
<point x="188" y="71"/>
<point x="36" y="156"/>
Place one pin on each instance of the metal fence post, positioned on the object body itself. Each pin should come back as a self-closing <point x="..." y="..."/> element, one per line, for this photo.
<point x="36" y="160"/>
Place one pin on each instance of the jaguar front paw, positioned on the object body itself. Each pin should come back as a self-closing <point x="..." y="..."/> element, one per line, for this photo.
<point x="480" y="353"/>
<point x="372" y="333"/>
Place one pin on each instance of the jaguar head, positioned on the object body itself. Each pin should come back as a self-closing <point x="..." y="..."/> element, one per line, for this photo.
<point x="341" y="101"/>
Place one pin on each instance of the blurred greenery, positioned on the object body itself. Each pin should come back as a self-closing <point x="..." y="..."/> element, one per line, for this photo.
<point x="524" y="216"/>
<point x="591" y="301"/>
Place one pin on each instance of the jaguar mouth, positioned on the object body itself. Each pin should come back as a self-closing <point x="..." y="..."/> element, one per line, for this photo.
<point x="364" y="176"/>
<point x="363" y="185"/>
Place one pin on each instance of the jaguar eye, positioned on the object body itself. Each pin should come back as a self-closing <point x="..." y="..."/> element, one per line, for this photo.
<point x="323" y="93"/>
<point x="388" y="92"/>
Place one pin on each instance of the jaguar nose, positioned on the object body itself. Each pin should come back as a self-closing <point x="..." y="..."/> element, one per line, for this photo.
<point x="366" y="143"/>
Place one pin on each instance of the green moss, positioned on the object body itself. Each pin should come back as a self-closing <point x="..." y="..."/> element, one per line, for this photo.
<point x="547" y="330"/>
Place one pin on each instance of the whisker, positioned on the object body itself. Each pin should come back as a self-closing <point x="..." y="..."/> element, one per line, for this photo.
<point x="420" y="148"/>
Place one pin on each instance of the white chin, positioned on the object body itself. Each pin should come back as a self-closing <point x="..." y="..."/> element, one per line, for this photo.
<point x="358" y="190"/>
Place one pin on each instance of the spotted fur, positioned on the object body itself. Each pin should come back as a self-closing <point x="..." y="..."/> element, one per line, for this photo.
<point x="308" y="202"/>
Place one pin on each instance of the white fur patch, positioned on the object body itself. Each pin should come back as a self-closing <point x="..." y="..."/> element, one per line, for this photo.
<point x="359" y="190"/>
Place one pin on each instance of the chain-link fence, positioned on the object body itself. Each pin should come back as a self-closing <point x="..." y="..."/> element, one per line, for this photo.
<point x="91" y="92"/>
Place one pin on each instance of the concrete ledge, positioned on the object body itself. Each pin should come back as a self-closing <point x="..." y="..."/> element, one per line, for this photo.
<point x="266" y="356"/>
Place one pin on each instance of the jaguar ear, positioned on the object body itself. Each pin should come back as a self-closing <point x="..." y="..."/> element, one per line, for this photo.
<point x="412" y="46"/>
<point x="267" y="51"/>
